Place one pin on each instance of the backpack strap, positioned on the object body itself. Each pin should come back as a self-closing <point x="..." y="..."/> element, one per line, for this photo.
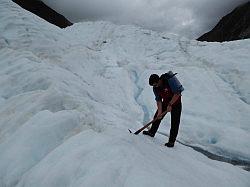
<point x="168" y="75"/>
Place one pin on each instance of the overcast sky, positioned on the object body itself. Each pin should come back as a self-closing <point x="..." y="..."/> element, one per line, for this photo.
<point x="189" y="18"/>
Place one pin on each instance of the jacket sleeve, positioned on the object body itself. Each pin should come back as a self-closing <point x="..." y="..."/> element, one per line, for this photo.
<point x="157" y="96"/>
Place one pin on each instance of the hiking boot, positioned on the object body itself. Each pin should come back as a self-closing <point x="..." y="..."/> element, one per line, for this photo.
<point x="169" y="144"/>
<point x="148" y="133"/>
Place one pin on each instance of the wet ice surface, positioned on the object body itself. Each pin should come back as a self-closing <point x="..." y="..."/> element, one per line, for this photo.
<point x="67" y="99"/>
<point x="219" y="156"/>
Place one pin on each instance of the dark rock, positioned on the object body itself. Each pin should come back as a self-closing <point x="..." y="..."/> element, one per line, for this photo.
<point x="40" y="9"/>
<point x="234" y="26"/>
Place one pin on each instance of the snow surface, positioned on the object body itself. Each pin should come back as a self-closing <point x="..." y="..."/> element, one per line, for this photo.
<point x="68" y="97"/>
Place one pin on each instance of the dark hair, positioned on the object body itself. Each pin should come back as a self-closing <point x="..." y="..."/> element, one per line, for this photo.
<point x="154" y="78"/>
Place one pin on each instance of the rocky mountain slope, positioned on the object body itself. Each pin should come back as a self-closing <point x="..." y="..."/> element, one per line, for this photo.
<point x="234" y="26"/>
<point x="45" y="12"/>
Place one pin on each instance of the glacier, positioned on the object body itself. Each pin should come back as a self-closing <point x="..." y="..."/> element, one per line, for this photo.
<point x="69" y="95"/>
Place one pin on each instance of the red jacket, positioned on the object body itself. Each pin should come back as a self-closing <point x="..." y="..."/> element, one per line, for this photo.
<point x="164" y="94"/>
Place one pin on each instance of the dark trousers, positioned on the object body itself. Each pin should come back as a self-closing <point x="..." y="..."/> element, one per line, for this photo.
<point x="175" y="121"/>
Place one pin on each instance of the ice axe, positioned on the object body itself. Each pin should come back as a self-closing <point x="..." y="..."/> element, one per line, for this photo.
<point x="149" y="123"/>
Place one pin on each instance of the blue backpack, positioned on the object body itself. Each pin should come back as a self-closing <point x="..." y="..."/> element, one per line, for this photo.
<point x="173" y="82"/>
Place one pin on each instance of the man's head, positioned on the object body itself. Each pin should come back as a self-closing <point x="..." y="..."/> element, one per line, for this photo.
<point x="154" y="80"/>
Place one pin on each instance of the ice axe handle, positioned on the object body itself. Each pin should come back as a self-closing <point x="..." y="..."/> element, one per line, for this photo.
<point x="149" y="123"/>
<point x="144" y="127"/>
